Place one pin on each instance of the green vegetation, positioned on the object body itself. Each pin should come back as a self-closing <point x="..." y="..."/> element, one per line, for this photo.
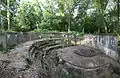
<point x="92" y="16"/>
<point x="7" y="49"/>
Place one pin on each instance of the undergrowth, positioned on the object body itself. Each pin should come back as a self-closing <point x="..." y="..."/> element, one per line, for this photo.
<point x="7" y="49"/>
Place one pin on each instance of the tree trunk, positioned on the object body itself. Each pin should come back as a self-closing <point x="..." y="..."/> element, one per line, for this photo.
<point x="2" y="24"/>
<point x="8" y="14"/>
<point x="69" y="21"/>
<point x="118" y="12"/>
<point x="98" y="30"/>
<point x="105" y="29"/>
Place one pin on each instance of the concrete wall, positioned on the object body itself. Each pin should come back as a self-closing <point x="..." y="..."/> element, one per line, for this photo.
<point x="3" y="40"/>
<point x="107" y="44"/>
<point x="15" y="38"/>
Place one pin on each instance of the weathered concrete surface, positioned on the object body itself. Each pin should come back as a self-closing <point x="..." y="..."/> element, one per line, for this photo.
<point x="15" y="38"/>
<point x="89" y="62"/>
<point x="20" y="37"/>
<point x="73" y="62"/>
<point x="107" y="44"/>
<point x="3" y="40"/>
<point x="18" y="60"/>
<point x="46" y="58"/>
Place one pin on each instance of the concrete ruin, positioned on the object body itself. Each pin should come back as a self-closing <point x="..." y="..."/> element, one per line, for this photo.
<point x="58" y="58"/>
<point x="106" y="44"/>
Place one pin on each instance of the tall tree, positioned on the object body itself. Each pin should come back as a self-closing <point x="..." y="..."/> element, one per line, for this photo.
<point x="66" y="7"/>
<point x="118" y="7"/>
<point x="101" y="10"/>
<point x="8" y="14"/>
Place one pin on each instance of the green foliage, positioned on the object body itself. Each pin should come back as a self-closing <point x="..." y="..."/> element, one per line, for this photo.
<point x="7" y="49"/>
<point x="94" y="16"/>
<point x="10" y="30"/>
<point x="79" y="34"/>
<point x="45" y="31"/>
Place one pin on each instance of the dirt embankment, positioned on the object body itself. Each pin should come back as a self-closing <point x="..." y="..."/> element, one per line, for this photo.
<point x="13" y="64"/>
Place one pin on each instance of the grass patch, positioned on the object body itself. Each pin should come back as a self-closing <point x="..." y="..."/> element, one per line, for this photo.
<point x="7" y="49"/>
